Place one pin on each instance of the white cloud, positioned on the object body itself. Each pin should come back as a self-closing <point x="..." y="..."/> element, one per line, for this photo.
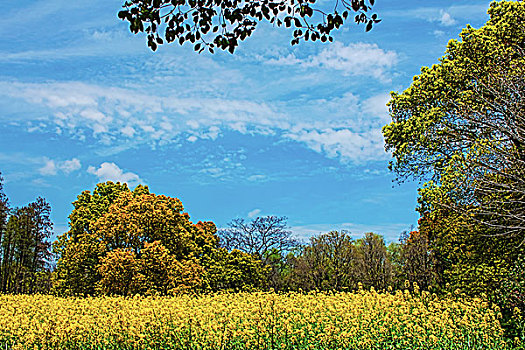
<point x="111" y="172"/>
<point x="344" y="126"/>
<point x="356" y="59"/>
<point x="213" y="172"/>
<point x="192" y="124"/>
<point x="226" y="166"/>
<point x="51" y="167"/>
<point x="288" y="60"/>
<point x="76" y="107"/>
<point x="376" y="107"/>
<point x="211" y="134"/>
<point x="128" y="131"/>
<point x="69" y="166"/>
<point x="256" y="177"/>
<point x="446" y="19"/>
<point x="438" y="33"/>
<point x="353" y="59"/>
<point x="344" y="144"/>
<point x="440" y="15"/>
<point x="254" y="213"/>
<point x="390" y="231"/>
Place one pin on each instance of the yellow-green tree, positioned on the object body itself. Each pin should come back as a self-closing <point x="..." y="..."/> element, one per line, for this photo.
<point x="79" y="250"/>
<point x="235" y="271"/>
<point x="125" y="242"/>
<point x="327" y="262"/>
<point x="462" y="121"/>
<point x="118" y="271"/>
<point x="460" y="126"/>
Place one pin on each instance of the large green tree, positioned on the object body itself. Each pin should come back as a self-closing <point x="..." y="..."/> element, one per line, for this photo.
<point x="125" y="242"/>
<point x="461" y="123"/>
<point x="334" y="261"/>
<point x="373" y="264"/>
<point x="210" y="24"/>
<point x="461" y="127"/>
<point x="79" y="250"/>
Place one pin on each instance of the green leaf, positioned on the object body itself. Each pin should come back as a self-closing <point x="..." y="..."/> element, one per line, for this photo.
<point x="123" y="15"/>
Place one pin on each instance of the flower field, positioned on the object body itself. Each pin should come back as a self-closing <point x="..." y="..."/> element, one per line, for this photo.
<point x="362" y="320"/>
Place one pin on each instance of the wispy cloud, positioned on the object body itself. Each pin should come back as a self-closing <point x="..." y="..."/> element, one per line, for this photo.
<point x="349" y="59"/>
<point x="130" y="113"/>
<point x="389" y="231"/>
<point x="52" y="167"/>
<point x="49" y="168"/>
<point x="344" y="127"/>
<point x="343" y="143"/>
<point x="224" y="166"/>
<point x="445" y="16"/>
<point x="352" y="132"/>
<point x="257" y="177"/>
<point x="375" y="106"/>
<point x="446" y="19"/>
<point x="438" y="33"/>
<point x="68" y="166"/>
<point x="254" y="213"/>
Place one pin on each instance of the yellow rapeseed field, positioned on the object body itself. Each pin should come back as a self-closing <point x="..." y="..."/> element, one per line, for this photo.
<point x="361" y="320"/>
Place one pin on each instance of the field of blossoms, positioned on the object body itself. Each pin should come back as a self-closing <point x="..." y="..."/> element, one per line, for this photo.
<point x="361" y="320"/>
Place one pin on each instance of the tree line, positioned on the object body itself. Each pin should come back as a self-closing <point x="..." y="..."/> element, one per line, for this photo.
<point x="24" y="246"/>
<point x="124" y="242"/>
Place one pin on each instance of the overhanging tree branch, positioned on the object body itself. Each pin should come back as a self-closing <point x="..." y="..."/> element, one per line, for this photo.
<point x="210" y="24"/>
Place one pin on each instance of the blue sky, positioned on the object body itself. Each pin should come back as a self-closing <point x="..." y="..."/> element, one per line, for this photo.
<point x="270" y="130"/>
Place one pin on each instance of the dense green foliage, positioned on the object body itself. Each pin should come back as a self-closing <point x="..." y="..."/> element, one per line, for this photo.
<point x="126" y="242"/>
<point x="461" y="125"/>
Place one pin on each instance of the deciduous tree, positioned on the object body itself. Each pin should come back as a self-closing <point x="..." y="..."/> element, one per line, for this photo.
<point x="417" y="260"/>
<point x="258" y="236"/>
<point x="235" y="271"/>
<point x="462" y="124"/>
<point x="125" y="242"/>
<point x="373" y="265"/>
<point x="26" y="249"/>
<point x="266" y="238"/>
<point x="79" y="250"/>
<point x="326" y="263"/>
